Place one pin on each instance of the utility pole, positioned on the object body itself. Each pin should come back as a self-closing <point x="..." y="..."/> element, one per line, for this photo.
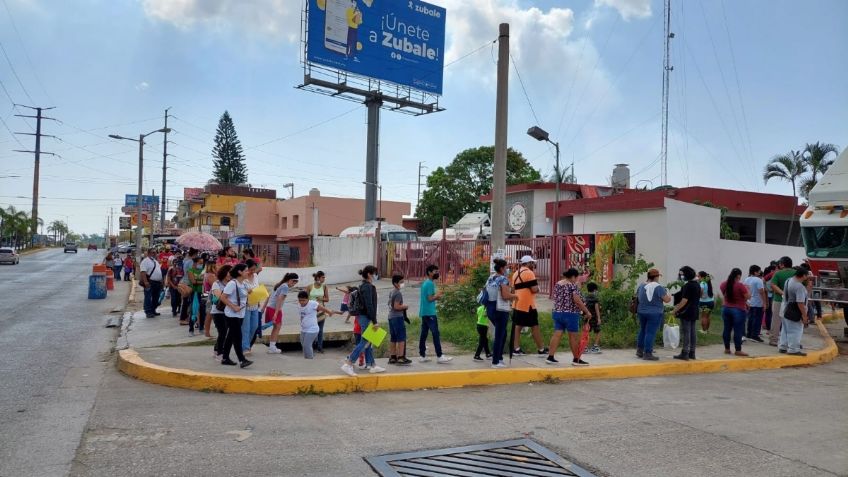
<point x="501" y="116"/>
<point x="38" y="152"/>
<point x="372" y="155"/>
<point x="418" y="201"/>
<point x="164" y="176"/>
<point x="667" y="69"/>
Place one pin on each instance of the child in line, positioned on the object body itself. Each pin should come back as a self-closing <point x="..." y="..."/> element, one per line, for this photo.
<point x="345" y="302"/>
<point x="357" y="337"/>
<point x="309" y="310"/>
<point x="594" y="320"/>
<point x="483" y="331"/>
<point x="129" y="266"/>
<point x="397" y="326"/>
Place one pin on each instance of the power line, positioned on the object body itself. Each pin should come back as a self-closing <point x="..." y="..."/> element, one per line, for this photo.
<point x="15" y="73"/>
<point x="738" y="84"/>
<point x="301" y="131"/>
<point x="26" y="54"/>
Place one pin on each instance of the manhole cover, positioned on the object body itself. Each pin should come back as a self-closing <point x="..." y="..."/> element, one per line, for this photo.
<point x="516" y="458"/>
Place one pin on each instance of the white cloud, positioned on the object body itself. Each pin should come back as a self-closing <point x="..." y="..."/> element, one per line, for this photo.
<point x="143" y="86"/>
<point x="628" y="8"/>
<point x="279" y="19"/>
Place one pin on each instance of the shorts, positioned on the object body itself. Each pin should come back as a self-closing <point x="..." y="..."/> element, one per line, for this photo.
<point x="269" y="316"/>
<point x="564" y="321"/>
<point x="345" y="308"/>
<point x="710" y="305"/>
<point x="525" y="318"/>
<point x="397" y="330"/>
<point x="594" y="327"/>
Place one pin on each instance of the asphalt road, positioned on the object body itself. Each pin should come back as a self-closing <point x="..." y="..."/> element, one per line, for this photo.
<point x="55" y="350"/>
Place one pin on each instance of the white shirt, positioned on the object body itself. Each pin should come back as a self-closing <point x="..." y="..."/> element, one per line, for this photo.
<point x="309" y="317"/>
<point x="237" y="294"/>
<point x="250" y="285"/>
<point x="152" y="268"/>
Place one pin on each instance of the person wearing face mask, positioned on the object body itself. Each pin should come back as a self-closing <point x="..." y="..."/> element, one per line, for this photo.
<point x="429" y="321"/>
<point x="397" y="326"/>
<point x="318" y="292"/>
<point x="793" y="312"/>
<point x="524" y="313"/>
<point x="687" y="311"/>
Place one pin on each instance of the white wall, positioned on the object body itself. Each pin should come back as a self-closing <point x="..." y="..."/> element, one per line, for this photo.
<point x="692" y="236"/>
<point x="733" y="253"/>
<point x="648" y="225"/>
<point x="335" y="273"/>
<point x="333" y="251"/>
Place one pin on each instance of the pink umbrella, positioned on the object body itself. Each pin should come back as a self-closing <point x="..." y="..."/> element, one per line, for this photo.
<point x="200" y="241"/>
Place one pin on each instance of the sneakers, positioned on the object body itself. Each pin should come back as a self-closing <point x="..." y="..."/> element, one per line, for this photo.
<point x="444" y="359"/>
<point x="543" y="352"/>
<point x="650" y="357"/>
<point x="797" y="353"/>
<point x="393" y="360"/>
<point x="578" y="362"/>
<point x="348" y="369"/>
<point x="274" y="350"/>
<point x="404" y="361"/>
<point x="681" y="356"/>
<point x="488" y="355"/>
<point x="248" y="351"/>
<point x="376" y="370"/>
<point x="640" y="353"/>
<point x="741" y="353"/>
<point x="423" y="359"/>
<point x="228" y="362"/>
<point x="595" y="350"/>
<point x="191" y="333"/>
<point x="757" y="339"/>
<point x="478" y="358"/>
<point x="500" y="365"/>
<point x="518" y="352"/>
<point x="781" y="351"/>
<point x="245" y="363"/>
<point x="551" y="360"/>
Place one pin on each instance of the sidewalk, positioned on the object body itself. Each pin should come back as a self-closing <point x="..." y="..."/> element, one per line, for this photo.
<point x="158" y="350"/>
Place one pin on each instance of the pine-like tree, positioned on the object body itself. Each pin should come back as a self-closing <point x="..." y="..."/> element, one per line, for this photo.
<point x="230" y="167"/>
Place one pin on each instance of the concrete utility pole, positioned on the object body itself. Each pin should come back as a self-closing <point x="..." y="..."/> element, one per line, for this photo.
<point x="501" y="116"/>
<point x="164" y="176"/>
<point x="36" y="171"/>
<point x="372" y="156"/>
<point x="418" y="201"/>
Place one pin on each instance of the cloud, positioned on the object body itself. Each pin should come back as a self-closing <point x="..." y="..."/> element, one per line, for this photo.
<point x="278" y="19"/>
<point x="628" y="8"/>
<point x="143" y="86"/>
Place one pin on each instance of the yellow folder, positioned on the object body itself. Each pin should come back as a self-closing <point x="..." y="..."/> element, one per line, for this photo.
<point x="375" y="336"/>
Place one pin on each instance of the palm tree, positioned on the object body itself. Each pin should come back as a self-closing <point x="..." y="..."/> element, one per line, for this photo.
<point x="816" y="157"/>
<point x="788" y="167"/>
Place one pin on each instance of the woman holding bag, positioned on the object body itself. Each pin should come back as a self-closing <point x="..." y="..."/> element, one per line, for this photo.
<point x="498" y="286"/>
<point x="652" y="298"/>
<point x="217" y="309"/>
<point x="734" y="310"/>
<point x="318" y="292"/>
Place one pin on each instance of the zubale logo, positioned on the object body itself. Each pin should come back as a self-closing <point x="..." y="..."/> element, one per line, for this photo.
<point x="432" y="12"/>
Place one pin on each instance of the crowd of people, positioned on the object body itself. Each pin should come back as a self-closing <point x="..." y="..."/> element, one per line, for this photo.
<point x="223" y="290"/>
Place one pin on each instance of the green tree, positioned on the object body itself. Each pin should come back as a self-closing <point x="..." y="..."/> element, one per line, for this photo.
<point x="788" y="167"/>
<point x="455" y="190"/>
<point x="816" y="156"/>
<point x="229" y="161"/>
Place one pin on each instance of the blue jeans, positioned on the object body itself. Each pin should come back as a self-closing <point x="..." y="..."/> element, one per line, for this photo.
<point x="363" y="345"/>
<point x="649" y="324"/>
<point x="755" y="322"/>
<point x="790" y="335"/>
<point x="151" y="297"/>
<point x="429" y="323"/>
<point x="117" y="272"/>
<point x="734" y="319"/>
<point x="248" y="327"/>
<point x="500" y="320"/>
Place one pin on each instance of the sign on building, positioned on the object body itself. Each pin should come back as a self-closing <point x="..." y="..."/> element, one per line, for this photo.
<point x="124" y="223"/>
<point x="402" y="42"/>
<point x="147" y="201"/>
<point x="191" y="193"/>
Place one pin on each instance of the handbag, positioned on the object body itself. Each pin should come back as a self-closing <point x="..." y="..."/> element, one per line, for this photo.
<point x="634" y="304"/>
<point x="671" y="333"/>
<point x="184" y="289"/>
<point x="793" y="311"/>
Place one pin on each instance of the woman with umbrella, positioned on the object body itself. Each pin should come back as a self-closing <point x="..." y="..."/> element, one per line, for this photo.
<point x="568" y="305"/>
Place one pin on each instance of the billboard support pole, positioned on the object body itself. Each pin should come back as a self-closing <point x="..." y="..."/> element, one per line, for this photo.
<point x="501" y="116"/>
<point x="372" y="156"/>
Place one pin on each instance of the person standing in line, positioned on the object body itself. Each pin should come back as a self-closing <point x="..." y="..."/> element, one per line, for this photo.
<point x="185" y="304"/>
<point x="568" y="305"/>
<point x="175" y="276"/>
<point x="756" y="304"/>
<point x="116" y="266"/>
<point x="397" y="325"/>
<point x="498" y="285"/>
<point x="248" y="254"/>
<point x="274" y="310"/>
<point x="814" y="310"/>
<point x="429" y="320"/>
<point x="109" y="261"/>
<point x="151" y="280"/>
<point x="235" y="299"/>
<point x="734" y="310"/>
<point x="768" y="273"/>
<point x="309" y="310"/>
<point x="218" y="317"/>
<point x="364" y="307"/>
<point x="318" y="292"/>
<point x="794" y="313"/>
<point x="209" y="277"/>
<point x="129" y="266"/>
<point x="651" y="297"/>
<point x="251" y="317"/>
<point x="707" y="301"/>
<point x="524" y="313"/>
<point x="482" y="334"/>
<point x="778" y="281"/>
<point x="687" y="311"/>
<point x="195" y="279"/>
<point x="594" y="305"/>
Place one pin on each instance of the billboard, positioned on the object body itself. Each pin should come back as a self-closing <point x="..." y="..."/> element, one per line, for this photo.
<point x="578" y="251"/>
<point x="124" y="223"/>
<point x="147" y="201"/>
<point x="604" y="265"/>
<point x="191" y="193"/>
<point x="402" y="42"/>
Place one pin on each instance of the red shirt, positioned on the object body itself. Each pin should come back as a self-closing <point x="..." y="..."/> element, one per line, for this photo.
<point x="739" y="291"/>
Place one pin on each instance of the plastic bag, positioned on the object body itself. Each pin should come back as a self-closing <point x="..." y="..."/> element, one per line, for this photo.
<point x="671" y="334"/>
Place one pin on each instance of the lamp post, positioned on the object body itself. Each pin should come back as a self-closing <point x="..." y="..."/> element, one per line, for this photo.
<point x="138" y="204"/>
<point x="540" y="134"/>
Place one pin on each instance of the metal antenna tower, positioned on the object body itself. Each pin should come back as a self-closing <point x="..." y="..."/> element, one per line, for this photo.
<point x="667" y="69"/>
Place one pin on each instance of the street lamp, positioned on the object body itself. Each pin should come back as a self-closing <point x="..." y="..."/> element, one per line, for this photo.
<point x="138" y="204"/>
<point x="540" y="134"/>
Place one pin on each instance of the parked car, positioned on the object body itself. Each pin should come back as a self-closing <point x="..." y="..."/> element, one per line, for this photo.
<point x="8" y="255"/>
<point x="70" y="247"/>
<point x="92" y="246"/>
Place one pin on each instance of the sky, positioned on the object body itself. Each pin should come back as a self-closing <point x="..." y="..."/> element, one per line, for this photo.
<point x="751" y="79"/>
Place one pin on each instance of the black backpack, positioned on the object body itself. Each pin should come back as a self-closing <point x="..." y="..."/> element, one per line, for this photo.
<point x="355" y="302"/>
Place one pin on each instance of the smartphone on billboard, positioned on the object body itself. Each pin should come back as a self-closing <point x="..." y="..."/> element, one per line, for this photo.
<point x="335" y="25"/>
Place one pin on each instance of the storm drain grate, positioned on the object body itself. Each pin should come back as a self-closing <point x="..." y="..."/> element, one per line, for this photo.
<point x="516" y="458"/>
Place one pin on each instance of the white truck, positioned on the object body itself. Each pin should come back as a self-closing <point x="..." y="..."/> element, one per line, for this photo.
<point x="824" y="228"/>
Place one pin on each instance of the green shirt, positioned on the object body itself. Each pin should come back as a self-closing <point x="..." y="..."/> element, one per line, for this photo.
<point x="779" y="279"/>
<point x="427" y="307"/>
<point x="197" y="274"/>
<point x="482" y="318"/>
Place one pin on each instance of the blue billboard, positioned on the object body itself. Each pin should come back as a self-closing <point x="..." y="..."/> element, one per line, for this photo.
<point x="147" y="201"/>
<point x="400" y="41"/>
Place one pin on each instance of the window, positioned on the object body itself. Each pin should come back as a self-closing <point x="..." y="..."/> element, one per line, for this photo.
<point x="284" y="223"/>
<point x="746" y="227"/>
<point x="225" y="221"/>
<point x="295" y="221"/>
<point x="826" y="242"/>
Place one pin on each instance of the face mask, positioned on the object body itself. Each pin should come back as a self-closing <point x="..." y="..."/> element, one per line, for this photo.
<point x="436" y="276"/>
<point x="508" y="271"/>
<point x="680" y="277"/>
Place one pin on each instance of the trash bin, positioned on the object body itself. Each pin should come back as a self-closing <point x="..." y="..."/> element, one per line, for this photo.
<point x="96" y="287"/>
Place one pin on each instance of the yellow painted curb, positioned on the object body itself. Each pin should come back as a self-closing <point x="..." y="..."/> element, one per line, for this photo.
<point x="131" y="364"/>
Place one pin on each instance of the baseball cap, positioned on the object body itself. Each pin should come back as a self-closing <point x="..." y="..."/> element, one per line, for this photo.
<point x="654" y="273"/>
<point x="526" y="259"/>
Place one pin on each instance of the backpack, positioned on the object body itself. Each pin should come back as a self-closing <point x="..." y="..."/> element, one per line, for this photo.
<point x="355" y="303"/>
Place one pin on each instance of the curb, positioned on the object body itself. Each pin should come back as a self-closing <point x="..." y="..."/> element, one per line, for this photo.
<point x="131" y="364"/>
